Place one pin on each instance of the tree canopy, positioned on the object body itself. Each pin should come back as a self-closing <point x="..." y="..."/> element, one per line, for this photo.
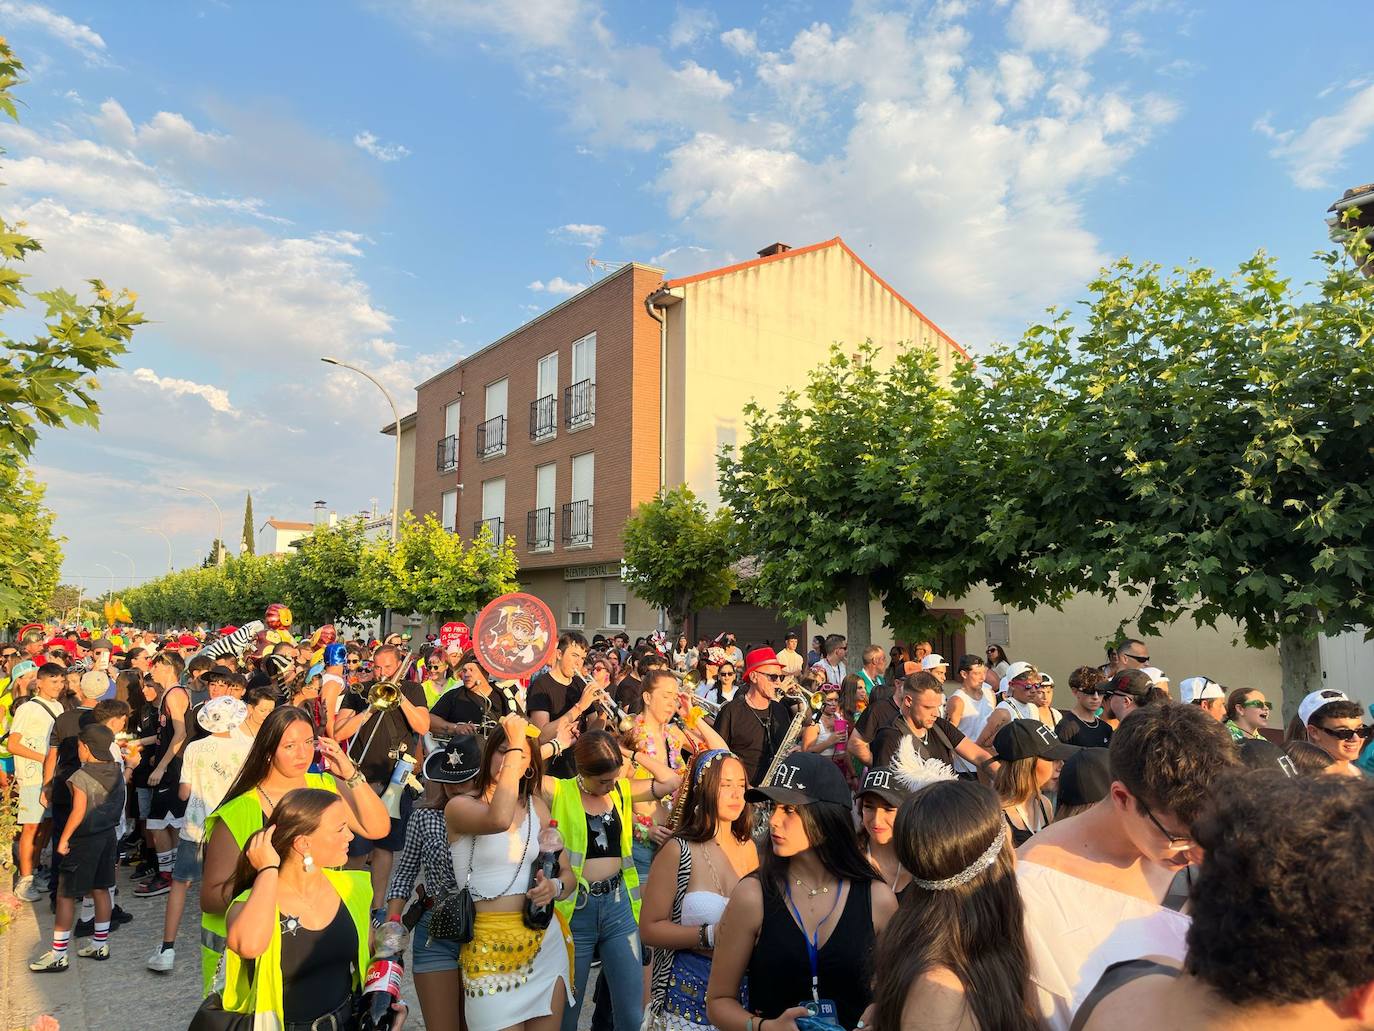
<point x="678" y="555"/>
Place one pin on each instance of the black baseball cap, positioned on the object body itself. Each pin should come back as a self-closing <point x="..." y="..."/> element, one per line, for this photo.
<point x="1024" y="739"/>
<point x="1086" y="777"/>
<point x="884" y="784"/>
<point x="1262" y="754"/>
<point x="98" y="738"/>
<point x="967" y="662"/>
<point x="802" y="778"/>
<point x="457" y="763"/>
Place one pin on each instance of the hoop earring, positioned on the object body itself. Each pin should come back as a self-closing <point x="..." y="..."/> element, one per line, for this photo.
<point x="528" y="774"/>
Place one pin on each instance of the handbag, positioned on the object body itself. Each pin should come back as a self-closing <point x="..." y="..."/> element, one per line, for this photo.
<point x="212" y="1016"/>
<point x="454" y="918"/>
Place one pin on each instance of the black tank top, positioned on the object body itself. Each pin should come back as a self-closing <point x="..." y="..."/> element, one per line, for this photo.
<point x="316" y="966"/>
<point x="1021" y="835"/>
<point x="780" y="969"/>
<point x="166" y="730"/>
<point x="1114" y="977"/>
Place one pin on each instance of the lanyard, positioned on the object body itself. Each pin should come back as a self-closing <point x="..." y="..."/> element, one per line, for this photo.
<point x="813" y="949"/>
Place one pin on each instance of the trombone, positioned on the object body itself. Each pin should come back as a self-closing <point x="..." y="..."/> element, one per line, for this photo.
<point x="382" y="697"/>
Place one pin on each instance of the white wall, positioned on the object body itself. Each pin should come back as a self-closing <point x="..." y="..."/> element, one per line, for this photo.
<point x="1348" y="665"/>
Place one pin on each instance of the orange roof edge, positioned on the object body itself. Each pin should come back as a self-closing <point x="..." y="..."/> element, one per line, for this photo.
<point x="833" y="242"/>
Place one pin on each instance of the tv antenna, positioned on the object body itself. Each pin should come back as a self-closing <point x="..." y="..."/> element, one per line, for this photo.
<point x="595" y="264"/>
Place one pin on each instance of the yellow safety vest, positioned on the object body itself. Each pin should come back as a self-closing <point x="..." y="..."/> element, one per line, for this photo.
<point x="568" y="810"/>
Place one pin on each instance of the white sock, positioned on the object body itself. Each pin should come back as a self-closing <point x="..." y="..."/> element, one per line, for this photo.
<point x="87" y="908"/>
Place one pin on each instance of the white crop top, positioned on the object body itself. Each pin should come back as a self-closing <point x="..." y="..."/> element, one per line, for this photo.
<point x="496" y="859"/>
<point x="702" y="907"/>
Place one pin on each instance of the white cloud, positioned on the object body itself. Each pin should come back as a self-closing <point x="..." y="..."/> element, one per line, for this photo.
<point x="1056" y="26"/>
<point x="529" y="23"/>
<point x="691" y="25"/>
<point x="585" y="234"/>
<point x="1314" y="154"/>
<point x="79" y="37"/>
<point x="379" y="150"/>
<point x="556" y="285"/>
<point x="702" y="81"/>
<point x="216" y="397"/>
<point x="1020" y="79"/>
<point x="741" y="41"/>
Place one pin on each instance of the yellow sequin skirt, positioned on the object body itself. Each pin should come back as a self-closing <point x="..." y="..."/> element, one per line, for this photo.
<point x="511" y="970"/>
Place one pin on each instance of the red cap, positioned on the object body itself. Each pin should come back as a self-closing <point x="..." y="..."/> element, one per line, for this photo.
<point x="760" y="657"/>
<point x="66" y="644"/>
<point x="187" y="641"/>
<point x="225" y="631"/>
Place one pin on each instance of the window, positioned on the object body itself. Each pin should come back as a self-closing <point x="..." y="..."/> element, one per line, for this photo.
<point x="539" y="521"/>
<point x="576" y="617"/>
<point x="579" y="400"/>
<point x="577" y="603"/>
<point x="544" y="407"/>
<point x="577" y="514"/>
<point x="446" y="459"/>
<point x="491" y="433"/>
<point x="615" y="613"/>
<point x="448" y="510"/>
<point x="493" y="509"/>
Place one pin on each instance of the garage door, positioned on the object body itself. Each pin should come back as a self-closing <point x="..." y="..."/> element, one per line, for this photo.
<point x="752" y="626"/>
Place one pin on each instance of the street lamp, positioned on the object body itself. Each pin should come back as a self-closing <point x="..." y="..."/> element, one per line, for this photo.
<point x="154" y="529"/>
<point x="219" y="542"/>
<point x="396" y="414"/>
<point x="110" y="573"/>
<point x="133" y="570"/>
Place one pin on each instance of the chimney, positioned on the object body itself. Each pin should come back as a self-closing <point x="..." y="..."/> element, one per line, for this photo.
<point x="775" y="248"/>
<point x="319" y="513"/>
<point x="333" y="519"/>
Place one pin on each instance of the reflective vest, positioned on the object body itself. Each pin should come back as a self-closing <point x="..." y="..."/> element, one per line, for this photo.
<point x="242" y="817"/>
<point x="255" y="986"/>
<point x="567" y="809"/>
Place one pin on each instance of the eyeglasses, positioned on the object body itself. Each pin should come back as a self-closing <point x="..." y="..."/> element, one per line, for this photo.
<point x="1256" y="704"/>
<point x="1177" y="842"/>
<point x="727" y="676"/>
<point x="1346" y="733"/>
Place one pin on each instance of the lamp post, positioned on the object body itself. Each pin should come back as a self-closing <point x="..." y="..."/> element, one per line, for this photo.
<point x="219" y="541"/>
<point x="133" y="570"/>
<point x="109" y="572"/>
<point x="396" y="414"/>
<point x="154" y="529"/>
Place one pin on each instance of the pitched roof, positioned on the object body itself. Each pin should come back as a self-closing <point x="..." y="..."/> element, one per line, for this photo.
<point x="796" y="251"/>
<point x="286" y="524"/>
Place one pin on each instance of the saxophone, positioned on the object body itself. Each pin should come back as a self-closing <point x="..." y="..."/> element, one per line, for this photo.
<point x="808" y="704"/>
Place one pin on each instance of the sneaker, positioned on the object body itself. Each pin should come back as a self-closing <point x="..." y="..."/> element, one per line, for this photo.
<point x="84" y="928"/>
<point x="94" y="951"/>
<point x="26" y="890"/>
<point x="147" y="868"/>
<point x="42" y="880"/>
<point x="161" y="884"/>
<point x="118" y="916"/>
<point x="49" y="963"/>
<point x="161" y="961"/>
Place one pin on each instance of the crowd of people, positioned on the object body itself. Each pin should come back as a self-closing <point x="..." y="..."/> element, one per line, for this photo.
<point x="745" y="838"/>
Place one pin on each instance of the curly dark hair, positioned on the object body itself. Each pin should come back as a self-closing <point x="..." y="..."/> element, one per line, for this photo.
<point x="1169" y="756"/>
<point x="1085" y="678"/>
<point x="1280" y="904"/>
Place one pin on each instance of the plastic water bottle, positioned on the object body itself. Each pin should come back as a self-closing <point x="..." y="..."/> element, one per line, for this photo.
<point x="382" y="987"/>
<point x="841" y="727"/>
<point x="550" y="846"/>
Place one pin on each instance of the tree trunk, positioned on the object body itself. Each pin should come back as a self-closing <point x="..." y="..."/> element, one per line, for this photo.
<point x="1301" y="670"/>
<point x="857" y="626"/>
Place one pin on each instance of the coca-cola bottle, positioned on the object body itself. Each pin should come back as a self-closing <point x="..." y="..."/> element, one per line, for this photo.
<point x="382" y="986"/>
<point x="550" y="846"/>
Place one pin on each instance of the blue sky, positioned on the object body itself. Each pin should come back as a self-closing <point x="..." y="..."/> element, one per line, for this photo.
<point x="401" y="182"/>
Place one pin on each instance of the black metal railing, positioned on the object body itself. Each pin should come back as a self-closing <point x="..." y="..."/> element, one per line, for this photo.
<point x="577" y="522"/>
<point x="544" y="417"/>
<point x="579" y="404"/>
<point x="539" y="529"/>
<point x="491" y="437"/>
<point x="497" y="527"/>
<point x="446" y="454"/>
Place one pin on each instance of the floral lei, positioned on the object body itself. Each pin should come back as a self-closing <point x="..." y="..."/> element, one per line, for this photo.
<point x="648" y="744"/>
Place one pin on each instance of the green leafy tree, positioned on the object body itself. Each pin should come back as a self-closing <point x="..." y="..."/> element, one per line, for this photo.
<point x="322" y="584"/>
<point x="1202" y="442"/>
<point x="678" y="555"/>
<point x="246" y="545"/>
<point x="827" y="493"/>
<point x="30" y="556"/>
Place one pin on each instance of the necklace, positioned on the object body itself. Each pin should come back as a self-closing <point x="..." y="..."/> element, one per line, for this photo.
<point x="811" y="892"/>
<point x="271" y="802"/>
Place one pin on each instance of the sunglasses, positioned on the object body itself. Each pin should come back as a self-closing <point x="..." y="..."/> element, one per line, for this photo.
<point x="1347" y="733"/>
<point x="776" y="678"/>
<point x="1137" y="658"/>
<point x="1256" y="705"/>
<point x="1177" y="842"/>
<point x="727" y="676"/>
<point x="1093" y="692"/>
<point x="355" y="662"/>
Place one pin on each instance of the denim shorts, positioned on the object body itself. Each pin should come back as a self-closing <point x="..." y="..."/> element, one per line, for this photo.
<point x="145" y="801"/>
<point x="187" y="864"/>
<point x="430" y="955"/>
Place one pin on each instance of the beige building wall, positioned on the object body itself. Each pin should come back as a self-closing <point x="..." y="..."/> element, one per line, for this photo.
<point x="751" y="331"/>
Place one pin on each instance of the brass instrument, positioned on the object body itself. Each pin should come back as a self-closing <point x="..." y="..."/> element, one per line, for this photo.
<point x="810" y="705"/>
<point x="382" y="697"/>
<point x="622" y="719"/>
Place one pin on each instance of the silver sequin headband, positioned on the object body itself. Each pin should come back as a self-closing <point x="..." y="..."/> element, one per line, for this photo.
<point x="972" y="870"/>
<point x="707" y="760"/>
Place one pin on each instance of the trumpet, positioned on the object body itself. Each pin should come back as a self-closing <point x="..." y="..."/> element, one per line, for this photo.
<point x="622" y="719"/>
<point x="384" y="695"/>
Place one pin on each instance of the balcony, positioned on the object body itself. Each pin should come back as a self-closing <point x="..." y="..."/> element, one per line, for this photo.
<point x="446" y="454"/>
<point x="577" y="524"/>
<point x="539" y="529"/>
<point x="496" y="525"/>
<point x="544" y="418"/>
<point x="579" y="405"/>
<point x="491" y="438"/>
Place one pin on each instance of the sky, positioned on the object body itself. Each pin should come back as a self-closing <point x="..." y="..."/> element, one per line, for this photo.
<point x="400" y="182"/>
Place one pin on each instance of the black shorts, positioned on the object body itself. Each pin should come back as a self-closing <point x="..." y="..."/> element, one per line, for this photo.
<point x="89" y="864"/>
<point x="168" y="808"/>
<point x="395" y="839"/>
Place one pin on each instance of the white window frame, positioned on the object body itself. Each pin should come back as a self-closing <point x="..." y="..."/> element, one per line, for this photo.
<point x="490" y="412"/>
<point x="449" y="516"/>
<point x="543" y="389"/>
<point x="611" y="606"/>
<point x="549" y="501"/>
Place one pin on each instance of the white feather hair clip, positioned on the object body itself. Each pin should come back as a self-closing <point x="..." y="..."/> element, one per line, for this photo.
<point x="914" y="772"/>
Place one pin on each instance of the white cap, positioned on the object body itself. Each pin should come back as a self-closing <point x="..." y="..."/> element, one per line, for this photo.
<point x="1015" y="670"/>
<point x="1155" y="674"/>
<point x="1315" y="701"/>
<point x="1199" y="689"/>
<point x="94" y="684"/>
<point x="931" y="661"/>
